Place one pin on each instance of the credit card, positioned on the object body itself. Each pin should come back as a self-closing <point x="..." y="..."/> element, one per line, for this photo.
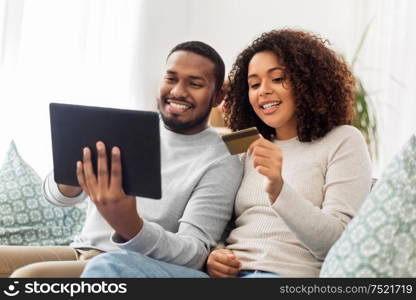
<point x="238" y="142"/>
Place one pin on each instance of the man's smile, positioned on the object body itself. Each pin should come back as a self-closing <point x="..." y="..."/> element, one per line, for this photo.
<point x="178" y="106"/>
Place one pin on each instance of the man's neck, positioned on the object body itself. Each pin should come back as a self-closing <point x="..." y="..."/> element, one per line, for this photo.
<point x="189" y="131"/>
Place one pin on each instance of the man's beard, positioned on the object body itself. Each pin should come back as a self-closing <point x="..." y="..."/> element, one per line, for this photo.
<point x="179" y="126"/>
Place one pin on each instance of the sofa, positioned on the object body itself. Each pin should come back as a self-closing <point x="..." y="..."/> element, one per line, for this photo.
<point x="380" y="241"/>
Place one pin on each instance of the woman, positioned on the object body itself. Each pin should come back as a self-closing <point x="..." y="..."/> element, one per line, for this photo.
<point x="308" y="174"/>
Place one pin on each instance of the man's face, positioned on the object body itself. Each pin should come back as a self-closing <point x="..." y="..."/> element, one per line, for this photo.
<point x="187" y="92"/>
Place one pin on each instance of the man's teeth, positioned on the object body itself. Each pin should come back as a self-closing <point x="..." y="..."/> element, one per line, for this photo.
<point x="269" y="105"/>
<point x="179" y="106"/>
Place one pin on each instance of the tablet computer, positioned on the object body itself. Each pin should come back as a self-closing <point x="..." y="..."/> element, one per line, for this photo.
<point x="135" y="132"/>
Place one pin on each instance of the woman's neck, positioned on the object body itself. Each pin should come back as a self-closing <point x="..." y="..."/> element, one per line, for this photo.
<point x="285" y="133"/>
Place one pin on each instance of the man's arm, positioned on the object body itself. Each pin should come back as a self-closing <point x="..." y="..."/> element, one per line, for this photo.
<point x="69" y="190"/>
<point x="59" y="194"/>
<point x="205" y="217"/>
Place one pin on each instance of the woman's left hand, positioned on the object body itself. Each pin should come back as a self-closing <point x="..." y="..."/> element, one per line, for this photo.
<point x="267" y="160"/>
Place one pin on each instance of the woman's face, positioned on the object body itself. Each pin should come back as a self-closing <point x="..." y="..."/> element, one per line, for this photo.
<point x="271" y="94"/>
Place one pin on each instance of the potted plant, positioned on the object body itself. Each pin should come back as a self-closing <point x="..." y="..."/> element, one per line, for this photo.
<point x="365" y="117"/>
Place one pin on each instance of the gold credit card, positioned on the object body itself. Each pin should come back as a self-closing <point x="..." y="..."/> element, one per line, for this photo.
<point x="238" y="142"/>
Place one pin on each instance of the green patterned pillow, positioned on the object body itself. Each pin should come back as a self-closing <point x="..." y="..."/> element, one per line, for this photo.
<point x="381" y="240"/>
<point x="26" y="218"/>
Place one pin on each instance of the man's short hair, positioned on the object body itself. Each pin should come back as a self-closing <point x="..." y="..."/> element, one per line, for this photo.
<point x="207" y="51"/>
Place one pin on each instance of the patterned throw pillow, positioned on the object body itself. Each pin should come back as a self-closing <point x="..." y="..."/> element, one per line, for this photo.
<point x="381" y="240"/>
<point x="26" y="218"/>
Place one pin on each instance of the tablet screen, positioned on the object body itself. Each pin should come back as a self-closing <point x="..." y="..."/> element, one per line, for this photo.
<point x="135" y="132"/>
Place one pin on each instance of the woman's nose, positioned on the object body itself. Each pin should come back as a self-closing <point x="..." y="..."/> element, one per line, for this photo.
<point x="265" y="89"/>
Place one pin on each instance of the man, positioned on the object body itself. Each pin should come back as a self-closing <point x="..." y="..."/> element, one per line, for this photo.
<point x="199" y="182"/>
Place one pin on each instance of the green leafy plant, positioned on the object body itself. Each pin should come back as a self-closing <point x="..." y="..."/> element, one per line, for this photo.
<point x="365" y="116"/>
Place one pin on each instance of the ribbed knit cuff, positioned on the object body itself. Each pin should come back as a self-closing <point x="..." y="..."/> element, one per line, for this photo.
<point x="290" y="206"/>
<point x="283" y="200"/>
<point x="53" y="195"/>
<point x="144" y="242"/>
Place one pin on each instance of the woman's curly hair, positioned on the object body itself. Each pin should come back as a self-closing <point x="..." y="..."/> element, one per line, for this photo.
<point x="322" y="83"/>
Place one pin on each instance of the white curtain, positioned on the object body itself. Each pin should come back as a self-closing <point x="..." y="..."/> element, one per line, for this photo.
<point x="72" y="51"/>
<point x="111" y="53"/>
<point x="388" y="67"/>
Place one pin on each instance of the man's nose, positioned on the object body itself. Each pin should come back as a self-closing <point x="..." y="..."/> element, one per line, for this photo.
<point x="179" y="91"/>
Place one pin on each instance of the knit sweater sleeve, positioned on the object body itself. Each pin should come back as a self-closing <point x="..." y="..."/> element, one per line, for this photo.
<point x="347" y="184"/>
<point x="201" y="225"/>
<point x="53" y="195"/>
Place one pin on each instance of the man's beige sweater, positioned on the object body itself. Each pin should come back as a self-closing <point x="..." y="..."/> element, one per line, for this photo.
<point x="325" y="183"/>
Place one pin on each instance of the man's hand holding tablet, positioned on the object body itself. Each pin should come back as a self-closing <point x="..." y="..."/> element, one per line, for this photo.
<point x="106" y="191"/>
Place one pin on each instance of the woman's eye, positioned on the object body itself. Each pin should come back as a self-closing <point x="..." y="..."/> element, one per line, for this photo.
<point x="254" y="85"/>
<point x="278" y="79"/>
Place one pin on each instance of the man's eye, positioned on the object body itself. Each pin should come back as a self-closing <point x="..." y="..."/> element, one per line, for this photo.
<point x="170" y="79"/>
<point x="197" y="85"/>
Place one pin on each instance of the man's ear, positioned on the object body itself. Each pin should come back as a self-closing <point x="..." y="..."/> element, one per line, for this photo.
<point x="218" y="98"/>
<point x="220" y="95"/>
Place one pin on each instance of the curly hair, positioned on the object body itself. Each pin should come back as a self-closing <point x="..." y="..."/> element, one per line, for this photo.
<point x="322" y="83"/>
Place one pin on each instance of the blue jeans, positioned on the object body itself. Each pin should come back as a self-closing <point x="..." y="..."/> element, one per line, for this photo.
<point x="129" y="264"/>
<point x="257" y="274"/>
